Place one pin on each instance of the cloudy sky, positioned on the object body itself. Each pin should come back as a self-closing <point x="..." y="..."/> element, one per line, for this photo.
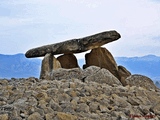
<point x="26" y="24"/>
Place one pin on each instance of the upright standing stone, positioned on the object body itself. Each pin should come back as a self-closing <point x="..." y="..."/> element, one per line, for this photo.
<point x="68" y="61"/>
<point x="102" y="58"/>
<point x="123" y="73"/>
<point x="49" y="63"/>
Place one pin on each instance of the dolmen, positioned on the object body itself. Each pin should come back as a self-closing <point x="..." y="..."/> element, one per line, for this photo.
<point x="99" y="56"/>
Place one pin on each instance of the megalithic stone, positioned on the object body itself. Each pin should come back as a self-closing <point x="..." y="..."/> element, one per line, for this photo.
<point x="49" y="63"/>
<point x="75" y="45"/>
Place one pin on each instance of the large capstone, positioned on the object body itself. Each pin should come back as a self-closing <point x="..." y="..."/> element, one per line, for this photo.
<point x="75" y="45"/>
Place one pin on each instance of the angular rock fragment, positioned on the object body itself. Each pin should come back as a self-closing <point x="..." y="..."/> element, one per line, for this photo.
<point x="35" y="116"/>
<point x="123" y="73"/>
<point x="156" y="108"/>
<point x="75" y="45"/>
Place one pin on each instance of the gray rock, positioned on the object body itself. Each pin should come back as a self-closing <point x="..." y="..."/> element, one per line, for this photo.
<point x="35" y="116"/>
<point x="55" y="106"/>
<point x="90" y="70"/>
<point x="68" y="108"/>
<point x="4" y="117"/>
<point x="133" y="101"/>
<point x="145" y="109"/>
<point x="92" y="73"/>
<point x="120" y="102"/>
<point x="3" y="82"/>
<point x="65" y="116"/>
<point x="82" y="107"/>
<point x="49" y="63"/>
<point x="94" y="106"/>
<point x="6" y="109"/>
<point x="63" y="98"/>
<point x="156" y="108"/>
<point x="61" y="73"/>
<point x="123" y="74"/>
<point x="140" y="81"/>
<point x="50" y="116"/>
<point x="48" y="110"/>
<point x="103" y="76"/>
<point x="32" y="101"/>
<point x="75" y="45"/>
<point x="103" y="109"/>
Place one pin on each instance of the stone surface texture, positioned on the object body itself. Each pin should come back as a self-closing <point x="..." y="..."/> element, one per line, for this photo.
<point x="79" y="98"/>
<point x="49" y="63"/>
<point x="89" y="74"/>
<point x="140" y="81"/>
<point x="102" y="58"/>
<point x="123" y="73"/>
<point x="68" y="61"/>
<point x="75" y="45"/>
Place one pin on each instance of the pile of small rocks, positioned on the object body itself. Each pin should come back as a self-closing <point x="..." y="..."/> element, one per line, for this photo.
<point x="75" y="99"/>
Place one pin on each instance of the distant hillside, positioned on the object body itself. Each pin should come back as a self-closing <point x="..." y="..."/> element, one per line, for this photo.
<point x="157" y="83"/>
<point x="18" y="66"/>
<point x="147" y="65"/>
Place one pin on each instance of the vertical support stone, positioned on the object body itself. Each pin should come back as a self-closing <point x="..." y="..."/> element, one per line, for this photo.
<point x="68" y="61"/>
<point x="102" y="58"/>
<point x="49" y="63"/>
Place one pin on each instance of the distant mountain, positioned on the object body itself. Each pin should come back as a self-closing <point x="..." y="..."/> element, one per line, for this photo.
<point x="147" y="65"/>
<point x="18" y="66"/>
<point x="157" y="83"/>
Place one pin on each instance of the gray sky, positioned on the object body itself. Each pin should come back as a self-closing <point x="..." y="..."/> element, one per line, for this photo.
<point x="25" y="24"/>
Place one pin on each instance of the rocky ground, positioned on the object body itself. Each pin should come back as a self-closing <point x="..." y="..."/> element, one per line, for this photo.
<point x="75" y="99"/>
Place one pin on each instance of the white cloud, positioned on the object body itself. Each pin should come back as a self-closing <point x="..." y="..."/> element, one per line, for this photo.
<point x="50" y="21"/>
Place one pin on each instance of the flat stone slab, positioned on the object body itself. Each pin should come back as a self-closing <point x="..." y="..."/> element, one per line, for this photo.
<point x="75" y="45"/>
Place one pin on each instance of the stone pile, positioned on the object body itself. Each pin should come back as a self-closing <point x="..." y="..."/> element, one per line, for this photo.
<point x="98" y="56"/>
<point x="75" y="94"/>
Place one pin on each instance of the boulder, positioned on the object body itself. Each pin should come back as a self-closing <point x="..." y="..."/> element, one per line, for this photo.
<point x="67" y="74"/>
<point x="75" y="45"/>
<point x="102" y="58"/>
<point x="49" y="63"/>
<point x="140" y="81"/>
<point x="68" y="61"/>
<point x="123" y="73"/>
<point x="92" y="73"/>
<point x="102" y="76"/>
